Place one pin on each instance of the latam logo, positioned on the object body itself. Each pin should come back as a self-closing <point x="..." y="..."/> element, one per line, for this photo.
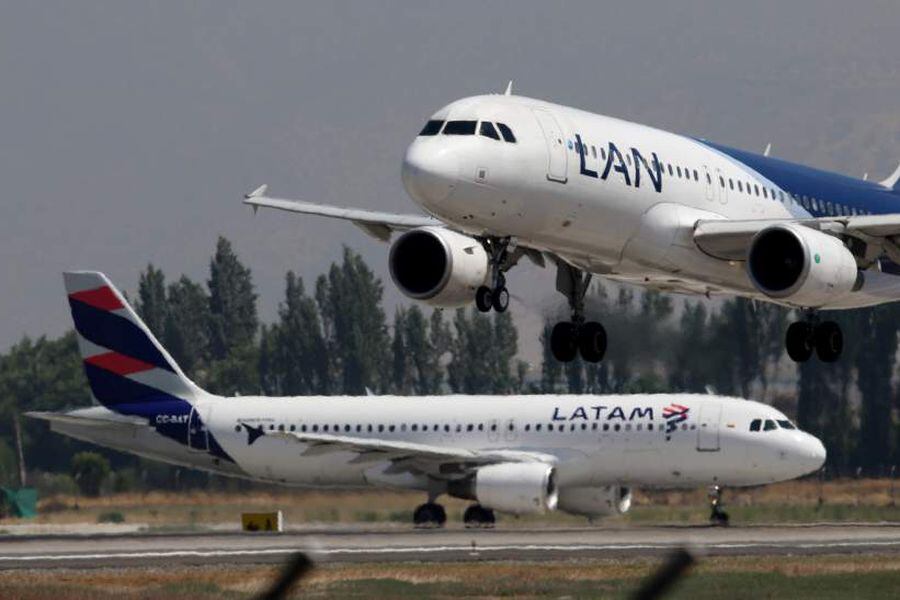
<point x="675" y="414"/>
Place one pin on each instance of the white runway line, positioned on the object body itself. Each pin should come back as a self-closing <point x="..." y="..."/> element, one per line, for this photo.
<point x="435" y="549"/>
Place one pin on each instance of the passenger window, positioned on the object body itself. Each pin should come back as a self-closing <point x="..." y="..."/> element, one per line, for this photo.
<point x="537" y="427"/>
<point x="487" y="130"/>
<point x="785" y="424"/>
<point x="460" y="128"/>
<point x="731" y="183"/>
<point x="678" y="169"/>
<point x="602" y="152"/>
<point x="722" y="181"/>
<point x="708" y="179"/>
<point x="770" y="425"/>
<point x="696" y="176"/>
<point x="756" y="189"/>
<point x="549" y="426"/>
<point x="755" y="424"/>
<point x="507" y="133"/>
<point x="594" y="151"/>
<point x="670" y="168"/>
<point x="765" y="193"/>
<point x="431" y="128"/>
<point x="740" y="187"/>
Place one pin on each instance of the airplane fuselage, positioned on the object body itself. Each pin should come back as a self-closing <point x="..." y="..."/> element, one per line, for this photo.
<point x="618" y="198"/>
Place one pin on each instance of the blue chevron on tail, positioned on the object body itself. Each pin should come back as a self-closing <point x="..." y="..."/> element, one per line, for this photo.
<point x="128" y="370"/>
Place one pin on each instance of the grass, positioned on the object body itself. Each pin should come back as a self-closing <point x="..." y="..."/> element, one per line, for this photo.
<point x="798" y="501"/>
<point x="853" y="576"/>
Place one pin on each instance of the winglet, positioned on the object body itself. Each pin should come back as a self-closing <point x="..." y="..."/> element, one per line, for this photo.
<point x="260" y="191"/>
<point x="508" y="91"/>
<point x="768" y="149"/>
<point x="893" y="182"/>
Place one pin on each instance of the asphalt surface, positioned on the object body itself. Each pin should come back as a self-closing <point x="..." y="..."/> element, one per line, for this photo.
<point x="400" y="545"/>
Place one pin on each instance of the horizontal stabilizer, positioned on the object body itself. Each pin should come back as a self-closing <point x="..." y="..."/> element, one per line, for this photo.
<point x="893" y="182"/>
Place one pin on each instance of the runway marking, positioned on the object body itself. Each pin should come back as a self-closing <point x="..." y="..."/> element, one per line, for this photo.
<point x="435" y="549"/>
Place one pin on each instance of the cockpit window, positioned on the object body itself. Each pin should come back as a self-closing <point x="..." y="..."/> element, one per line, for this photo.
<point x="755" y="424"/>
<point x="431" y="128"/>
<point x="487" y="130"/>
<point x="506" y="132"/>
<point x="785" y="424"/>
<point x="460" y="128"/>
<point x="770" y="425"/>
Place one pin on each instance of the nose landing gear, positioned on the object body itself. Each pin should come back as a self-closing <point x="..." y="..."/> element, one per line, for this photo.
<point x="568" y="338"/>
<point x="717" y="515"/>
<point x="823" y="337"/>
<point x="496" y="295"/>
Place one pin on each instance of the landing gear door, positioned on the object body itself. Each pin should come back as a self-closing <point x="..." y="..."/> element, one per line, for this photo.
<point x="198" y="435"/>
<point x="708" y="426"/>
<point x="558" y="159"/>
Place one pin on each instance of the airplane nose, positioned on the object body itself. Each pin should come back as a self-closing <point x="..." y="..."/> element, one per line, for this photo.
<point x="430" y="172"/>
<point x="818" y="454"/>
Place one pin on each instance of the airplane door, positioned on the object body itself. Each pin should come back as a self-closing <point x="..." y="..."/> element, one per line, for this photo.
<point x="723" y="189"/>
<point x="708" y="426"/>
<point x="558" y="159"/>
<point x="710" y="190"/>
<point x="198" y="435"/>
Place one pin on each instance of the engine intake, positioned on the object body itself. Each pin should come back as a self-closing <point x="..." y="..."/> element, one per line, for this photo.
<point x="800" y="265"/>
<point x="438" y="266"/>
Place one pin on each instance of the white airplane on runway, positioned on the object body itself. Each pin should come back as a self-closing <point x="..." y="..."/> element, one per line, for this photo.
<point x="505" y="176"/>
<point x="578" y="454"/>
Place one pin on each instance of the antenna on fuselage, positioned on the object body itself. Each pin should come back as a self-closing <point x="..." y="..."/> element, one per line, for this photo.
<point x="508" y="91"/>
<point x="768" y="149"/>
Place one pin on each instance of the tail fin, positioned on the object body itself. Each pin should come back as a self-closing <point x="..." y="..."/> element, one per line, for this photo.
<point x="128" y="370"/>
<point x="893" y="182"/>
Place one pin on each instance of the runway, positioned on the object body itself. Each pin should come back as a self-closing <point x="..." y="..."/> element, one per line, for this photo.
<point x="400" y="545"/>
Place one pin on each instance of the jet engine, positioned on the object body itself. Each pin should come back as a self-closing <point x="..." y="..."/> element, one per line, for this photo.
<point x="517" y="488"/>
<point x="438" y="266"/>
<point x="801" y="266"/>
<point x="600" y="501"/>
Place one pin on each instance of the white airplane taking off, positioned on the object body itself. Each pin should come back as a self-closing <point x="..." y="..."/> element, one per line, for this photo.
<point x="531" y="454"/>
<point x="504" y="176"/>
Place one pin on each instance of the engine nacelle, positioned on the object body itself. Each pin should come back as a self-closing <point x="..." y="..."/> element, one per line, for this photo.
<point x="600" y="501"/>
<point x="517" y="488"/>
<point x="801" y="266"/>
<point x="438" y="266"/>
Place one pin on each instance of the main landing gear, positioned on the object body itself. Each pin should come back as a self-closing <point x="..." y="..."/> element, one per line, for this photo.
<point x="717" y="515"/>
<point x="803" y="337"/>
<point x="496" y="295"/>
<point x="479" y="516"/>
<point x="570" y="338"/>
<point x="429" y="516"/>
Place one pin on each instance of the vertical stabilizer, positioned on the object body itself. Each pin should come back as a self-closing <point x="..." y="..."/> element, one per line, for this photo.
<point x="128" y="370"/>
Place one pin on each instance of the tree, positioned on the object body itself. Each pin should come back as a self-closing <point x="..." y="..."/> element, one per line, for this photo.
<point x="354" y="326"/>
<point x="470" y="368"/>
<point x="90" y="470"/>
<point x="300" y="355"/>
<point x="550" y="367"/>
<point x="151" y="304"/>
<point x="877" y="332"/>
<point x="186" y="331"/>
<point x="504" y="344"/>
<point x="401" y="360"/>
<point x="232" y="303"/>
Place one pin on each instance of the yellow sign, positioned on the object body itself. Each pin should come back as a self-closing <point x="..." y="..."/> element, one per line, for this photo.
<point x="265" y="521"/>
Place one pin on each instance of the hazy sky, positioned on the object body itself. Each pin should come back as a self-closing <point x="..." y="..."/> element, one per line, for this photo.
<point x="129" y="131"/>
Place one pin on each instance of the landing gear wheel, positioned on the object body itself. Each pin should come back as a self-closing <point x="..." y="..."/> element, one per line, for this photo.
<point x="592" y="342"/>
<point x="564" y="341"/>
<point x="479" y="516"/>
<point x="501" y="300"/>
<point x="829" y="341"/>
<point x="429" y="515"/>
<point x="717" y="516"/>
<point x="484" y="299"/>
<point x="799" y="341"/>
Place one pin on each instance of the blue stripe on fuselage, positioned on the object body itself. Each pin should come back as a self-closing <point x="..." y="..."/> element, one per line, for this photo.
<point x="823" y="185"/>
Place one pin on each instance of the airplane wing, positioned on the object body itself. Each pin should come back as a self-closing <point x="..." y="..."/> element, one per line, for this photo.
<point x="379" y="225"/>
<point x="730" y="240"/>
<point x="437" y="460"/>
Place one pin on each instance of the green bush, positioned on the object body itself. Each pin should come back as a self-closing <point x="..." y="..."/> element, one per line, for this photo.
<point x="111" y="517"/>
<point x="90" y="470"/>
